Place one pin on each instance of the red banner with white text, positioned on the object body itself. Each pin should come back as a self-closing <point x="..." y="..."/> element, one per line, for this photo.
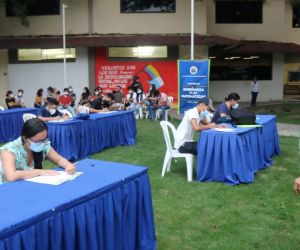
<point x="110" y="74"/>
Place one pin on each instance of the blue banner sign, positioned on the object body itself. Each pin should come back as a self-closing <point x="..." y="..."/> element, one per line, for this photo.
<point x="193" y="82"/>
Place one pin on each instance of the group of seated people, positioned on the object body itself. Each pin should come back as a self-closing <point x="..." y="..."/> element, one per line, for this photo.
<point x="14" y="101"/>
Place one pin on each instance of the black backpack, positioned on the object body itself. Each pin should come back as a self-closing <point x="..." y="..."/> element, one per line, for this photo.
<point x="242" y="116"/>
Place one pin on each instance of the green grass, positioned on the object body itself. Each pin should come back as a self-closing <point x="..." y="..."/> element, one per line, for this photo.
<point x="286" y="113"/>
<point x="262" y="215"/>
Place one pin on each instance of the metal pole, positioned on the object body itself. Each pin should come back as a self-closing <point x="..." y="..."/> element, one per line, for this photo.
<point x="192" y="29"/>
<point x="64" y="42"/>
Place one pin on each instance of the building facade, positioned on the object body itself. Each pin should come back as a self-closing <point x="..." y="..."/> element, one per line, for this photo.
<point x="242" y="39"/>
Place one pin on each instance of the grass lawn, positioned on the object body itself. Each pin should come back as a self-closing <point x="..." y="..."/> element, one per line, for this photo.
<point x="286" y="113"/>
<point x="262" y="215"/>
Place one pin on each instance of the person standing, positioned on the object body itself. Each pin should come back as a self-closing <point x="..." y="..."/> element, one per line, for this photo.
<point x="254" y="91"/>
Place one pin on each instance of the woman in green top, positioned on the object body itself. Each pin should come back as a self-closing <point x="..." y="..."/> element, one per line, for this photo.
<point x="20" y="158"/>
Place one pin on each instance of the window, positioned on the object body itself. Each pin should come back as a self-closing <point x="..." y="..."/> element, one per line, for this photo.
<point x="148" y="6"/>
<point x="34" y="7"/>
<point x="247" y="11"/>
<point x="240" y="67"/>
<point x="296" y="17"/>
<point x="138" y="52"/>
<point x="41" y="55"/>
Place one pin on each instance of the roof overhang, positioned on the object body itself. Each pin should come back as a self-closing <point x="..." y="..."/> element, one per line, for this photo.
<point x="112" y="40"/>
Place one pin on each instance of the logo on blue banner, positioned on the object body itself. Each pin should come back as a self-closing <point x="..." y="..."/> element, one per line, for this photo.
<point x="193" y="82"/>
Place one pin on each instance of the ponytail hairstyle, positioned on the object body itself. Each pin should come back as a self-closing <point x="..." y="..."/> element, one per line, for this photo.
<point x="31" y="128"/>
<point x="232" y="96"/>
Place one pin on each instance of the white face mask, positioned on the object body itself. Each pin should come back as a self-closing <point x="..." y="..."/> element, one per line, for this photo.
<point x="70" y="90"/>
<point x="11" y="95"/>
<point x="139" y="91"/>
<point x="20" y="94"/>
<point x="52" y="111"/>
<point x="97" y="93"/>
<point x="235" y="105"/>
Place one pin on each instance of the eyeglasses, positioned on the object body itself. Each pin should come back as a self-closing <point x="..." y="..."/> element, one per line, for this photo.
<point x="40" y="141"/>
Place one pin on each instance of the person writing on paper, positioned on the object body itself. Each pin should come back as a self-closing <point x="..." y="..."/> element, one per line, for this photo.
<point x="23" y="157"/>
<point x="223" y="110"/>
<point x="192" y="121"/>
<point x="50" y="112"/>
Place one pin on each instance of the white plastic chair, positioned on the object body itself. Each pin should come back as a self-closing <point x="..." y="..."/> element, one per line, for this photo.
<point x="173" y="153"/>
<point x="1" y="108"/>
<point x="66" y="112"/>
<point x="28" y="116"/>
<point x="158" y="111"/>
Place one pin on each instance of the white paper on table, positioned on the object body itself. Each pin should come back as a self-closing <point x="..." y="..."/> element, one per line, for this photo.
<point x="108" y="112"/>
<point x="55" y="179"/>
<point x="60" y="120"/>
<point x="224" y="129"/>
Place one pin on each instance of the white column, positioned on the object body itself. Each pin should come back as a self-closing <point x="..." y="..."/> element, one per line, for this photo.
<point x="64" y="42"/>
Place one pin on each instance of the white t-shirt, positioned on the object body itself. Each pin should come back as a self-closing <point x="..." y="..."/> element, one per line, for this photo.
<point x="185" y="131"/>
<point x="254" y="87"/>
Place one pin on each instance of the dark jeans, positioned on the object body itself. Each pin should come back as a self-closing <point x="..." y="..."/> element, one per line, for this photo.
<point x="254" y="96"/>
<point x="189" y="147"/>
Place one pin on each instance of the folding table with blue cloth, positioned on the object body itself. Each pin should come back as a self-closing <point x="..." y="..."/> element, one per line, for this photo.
<point x="108" y="207"/>
<point x="234" y="157"/>
<point x="76" y="138"/>
<point x="11" y="122"/>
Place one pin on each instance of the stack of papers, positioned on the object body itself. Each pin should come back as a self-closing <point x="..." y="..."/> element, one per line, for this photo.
<point x="55" y="179"/>
<point x="224" y="129"/>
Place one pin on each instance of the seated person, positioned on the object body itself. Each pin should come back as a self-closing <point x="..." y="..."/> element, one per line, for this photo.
<point x="19" y="98"/>
<point x="223" y="110"/>
<point x="190" y="123"/>
<point x="97" y="92"/>
<point x="102" y="104"/>
<point x="152" y="99"/>
<point x="162" y="104"/>
<point x="23" y="157"/>
<point x="85" y="95"/>
<point x="50" y="112"/>
<point x="73" y="95"/>
<point x="135" y="101"/>
<point x="118" y="98"/>
<point x="10" y="100"/>
<point x="65" y="101"/>
<point x="39" y="100"/>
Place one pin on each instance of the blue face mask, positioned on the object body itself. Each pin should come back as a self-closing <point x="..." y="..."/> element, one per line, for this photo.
<point x="235" y="105"/>
<point x="204" y="113"/>
<point x="37" y="147"/>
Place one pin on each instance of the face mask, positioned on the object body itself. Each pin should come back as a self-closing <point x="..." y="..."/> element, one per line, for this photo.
<point x="19" y="94"/>
<point x="204" y="113"/>
<point x="11" y="95"/>
<point x="70" y="90"/>
<point x="235" y="105"/>
<point x="52" y="111"/>
<point x="139" y="91"/>
<point x="37" y="147"/>
<point x="97" y="93"/>
<point x="66" y="93"/>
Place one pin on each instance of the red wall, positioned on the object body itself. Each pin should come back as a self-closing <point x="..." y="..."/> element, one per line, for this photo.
<point x="110" y="74"/>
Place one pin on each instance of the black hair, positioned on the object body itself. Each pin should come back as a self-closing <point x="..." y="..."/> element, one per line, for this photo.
<point x="21" y="90"/>
<point x="88" y="92"/>
<point x="39" y="92"/>
<point x="52" y="101"/>
<point x="50" y="89"/>
<point x="232" y="96"/>
<point x="31" y="128"/>
<point x="8" y="93"/>
<point x="111" y="96"/>
<point x="66" y="89"/>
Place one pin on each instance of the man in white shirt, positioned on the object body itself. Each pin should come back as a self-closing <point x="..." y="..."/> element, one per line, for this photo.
<point x="254" y="91"/>
<point x="190" y="123"/>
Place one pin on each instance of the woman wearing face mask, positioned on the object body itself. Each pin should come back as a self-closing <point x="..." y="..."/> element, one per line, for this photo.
<point x="223" y="110"/>
<point x="20" y="158"/>
<point x="97" y="93"/>
<point x="85" y="96"/>
<point x="19" y="98"/>
<point x="50" y="112"/>
<point x="39" y="100"/>
<point x="10" y="100"/>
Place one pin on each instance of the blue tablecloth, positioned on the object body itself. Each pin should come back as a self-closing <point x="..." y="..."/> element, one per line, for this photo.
<point x="235" y="157"/>
<point x="76" y="139"/>
<point x="11" y="122"/>
<point x="107" y="207"/>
